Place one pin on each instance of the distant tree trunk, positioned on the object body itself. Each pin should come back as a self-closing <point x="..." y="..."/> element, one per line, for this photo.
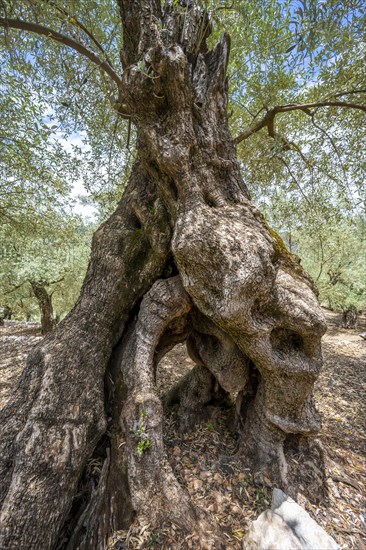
<point x="8" y="312"/>
<point x="349" y="317"/>
<point x="44" y="300"/>
<point x="185" y="256"/>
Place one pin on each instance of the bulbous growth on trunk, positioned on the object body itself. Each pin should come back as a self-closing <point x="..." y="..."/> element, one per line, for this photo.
<point x="185" y="257"/>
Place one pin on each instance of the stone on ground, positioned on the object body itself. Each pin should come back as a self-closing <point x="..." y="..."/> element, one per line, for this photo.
<point x="287" y="526"/>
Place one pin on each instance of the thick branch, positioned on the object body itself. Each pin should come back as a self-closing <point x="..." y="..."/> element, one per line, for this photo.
<point x="267" y="120"/>
<point x="63" y="39"/>
<point x="253" y="129"/>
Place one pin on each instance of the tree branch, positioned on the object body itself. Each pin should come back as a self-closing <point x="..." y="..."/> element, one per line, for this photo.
<point x="267" y="120"/>
<point x="316" y="104"/>
<point x="340" y="94"/>
<point x="295" y="180"/>
<point x="253" y="129"/>
<point x="57" y="281"/>
<point x="14" y="288"/>
<point x="289" y="145"/>
<point x="63" y="39"/>
<point x="78" y="23"/>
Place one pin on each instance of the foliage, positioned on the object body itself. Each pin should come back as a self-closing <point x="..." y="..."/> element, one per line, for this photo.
<point x="294" y="52"/>
<point x="139" y="433"/>
<point x="335" y="257"/>
<point x="304" y="166"/>
<point x="64" y="97"/>
<point x="32" y="158"/>
<point x="57" y="259"/>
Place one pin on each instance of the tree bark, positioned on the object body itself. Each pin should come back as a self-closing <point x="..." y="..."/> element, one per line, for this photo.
<point x="58" y="415"/>
<point x="186" y="255"/>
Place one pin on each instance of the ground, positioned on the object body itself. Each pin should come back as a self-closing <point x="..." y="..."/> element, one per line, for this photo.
<point x="328" y="477"/>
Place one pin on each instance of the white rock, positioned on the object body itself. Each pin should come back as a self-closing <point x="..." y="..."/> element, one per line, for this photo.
<point x="307" y="531"/>
<point x="287" y="526"/>
<point x="270" y="532"/>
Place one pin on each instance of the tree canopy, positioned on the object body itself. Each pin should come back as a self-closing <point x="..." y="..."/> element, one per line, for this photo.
<point x="297" y="108"/>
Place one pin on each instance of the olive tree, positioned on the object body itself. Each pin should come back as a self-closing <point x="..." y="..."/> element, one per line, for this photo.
<point x="186" y="256"/>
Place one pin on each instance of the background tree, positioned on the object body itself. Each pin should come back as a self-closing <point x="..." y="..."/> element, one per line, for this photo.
<point x="185" y="256"/>
<point x="335" y="256"/>
<point x="46" y="263"/>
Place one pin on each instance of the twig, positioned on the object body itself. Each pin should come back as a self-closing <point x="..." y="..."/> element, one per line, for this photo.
<point x="349" y="531"/>
<point x="111" y="147"/>
<point x="316" y="125"/>
<point x="78" y="23"/>
<point x="350" y="92"/>
<point x="347" y="481"/>
<point x="295" y="181"/>
<point x="268" y="119"/>
<point x="14" y="288"/>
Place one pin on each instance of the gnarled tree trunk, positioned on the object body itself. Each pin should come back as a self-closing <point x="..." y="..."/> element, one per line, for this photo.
<point x="186" y="256"/>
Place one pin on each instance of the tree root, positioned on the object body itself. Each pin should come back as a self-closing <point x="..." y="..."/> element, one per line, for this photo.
<point x="155" y="492"/>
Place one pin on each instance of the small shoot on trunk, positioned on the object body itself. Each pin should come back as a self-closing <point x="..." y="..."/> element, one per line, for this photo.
<point x="138" y="431"/>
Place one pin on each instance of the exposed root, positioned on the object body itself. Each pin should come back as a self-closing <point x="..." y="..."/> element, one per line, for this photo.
<point x="155" y="492"/>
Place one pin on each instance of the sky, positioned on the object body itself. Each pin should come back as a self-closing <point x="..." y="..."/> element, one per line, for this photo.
<point x="76" y="139"/>
<point x="78" y="191"/>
